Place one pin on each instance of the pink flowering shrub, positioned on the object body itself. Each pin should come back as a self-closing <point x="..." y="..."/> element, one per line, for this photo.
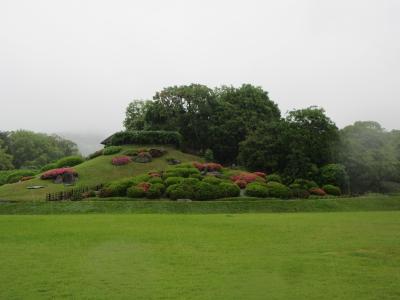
<point x="121" y="160"/>
<point x="211" y="167"/>
<point x="52" y="174"/>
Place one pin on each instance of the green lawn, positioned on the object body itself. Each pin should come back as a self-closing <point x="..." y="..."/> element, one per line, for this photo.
<point x="346" y="255"/>
<point x="91" y="173"/>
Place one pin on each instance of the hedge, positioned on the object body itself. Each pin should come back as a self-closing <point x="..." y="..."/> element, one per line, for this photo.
<point x="145" y="138"/>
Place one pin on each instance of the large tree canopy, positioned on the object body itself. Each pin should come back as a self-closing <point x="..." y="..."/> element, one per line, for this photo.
<point x="33" y="150"/>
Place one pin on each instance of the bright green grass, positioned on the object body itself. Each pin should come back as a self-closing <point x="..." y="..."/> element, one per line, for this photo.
<point x="242" y="256"/>
<point x="91" y="173"/>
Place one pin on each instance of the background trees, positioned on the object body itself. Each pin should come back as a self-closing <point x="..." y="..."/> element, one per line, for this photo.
<point x="33" y="150"/>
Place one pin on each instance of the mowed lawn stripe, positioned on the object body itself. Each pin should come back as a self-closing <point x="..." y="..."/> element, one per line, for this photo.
<point x="351" y="255"/>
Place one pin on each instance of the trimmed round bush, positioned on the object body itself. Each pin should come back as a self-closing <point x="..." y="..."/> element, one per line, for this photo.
<point x="332" y="190"/>
<point x="95" y="154"/>
<point x="173" y="180"/>
<point x="274" y="178"/>
<point x="49" y="166"/>
<point x="229" y="189"/>
<point x="160" y="186"/>
<point x="120" y="187"/>
<point x="140" y="178"/>
<point x="190" y="181"/>
<point x="154" y="191"/>
<point x="278" y="190"/>
<point x="135" y="192"/>
<point x="255" y="189"/>
<point x="198" y="176"/>
<point x="154" y="180"/>
<point x="112" y="150"/>
<point x="19" y="174"/>
<point x="212" y="180"/>
<point x="179" y="191"/>
<point x="306" y="184"/>
<point x="181" y="172"/>
<point x="206" y="191"/>
<point x="69" y="161"/>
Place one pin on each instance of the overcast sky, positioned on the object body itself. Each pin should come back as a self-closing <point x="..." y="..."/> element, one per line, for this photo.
<point x="75" y="65"/>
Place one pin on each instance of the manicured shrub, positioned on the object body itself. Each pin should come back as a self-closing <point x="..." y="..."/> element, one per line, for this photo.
<point x="306" y="184"/>
<point x="17" y="175"/>
<point x="181" y="172"/>
<point x="49" y="166"/>
<point x="144" y="137"/>
<point x="119" y="187"/>
<point x="229" y="189"/>
<point x="180" y="191"/>
<point x="332" y="190"/>
<point x="197" y="176"/>
<point x="135" y="192"/>
<point x="130" y="152"/>
<point x="53" y="174"/>
<point x="154" y="192"/>
<point x="173" y="180"/>
<point x="95" y="154"/>
<point x="4" y="175"/>
<point x="190" y="181"/>
<point x="160" y="186"/>
<point x="206" y="191"/>
<point x="317" y="192"/>
<point x="278" y="190"/>
<point x="144" y="185"/>
<point x="140" y="178"/>
<point x="274" y="178"/>
<point x="154" y="180"/>
<point x="212" y="180"/>
<point x="121" y="160"/>
<point x="245" y="176"/>
<point x="69" y="161"/>
<point x="255" y="189"/>
<point x="112" y="150"/>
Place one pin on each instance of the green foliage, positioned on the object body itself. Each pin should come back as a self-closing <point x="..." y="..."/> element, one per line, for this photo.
<point x="256" y="189"/>
<point x="155" y="180"/>
<point x="135" y="113"/>
<point x="146" y="138"/>
<point x="5" y="160"/>
<point x="33" y="150"/>
<point x="140" y="178"/>
<point x="16" y="175"/>
<point x="180" y="191"/>
<point x="95" y="154"/>
<point x="229" y="190"/>
<point x="155" y="191"/>
<point x="173" y="180"/>
<point x="212" y="180"/>
<point x="190" y="181"/>
<point x="306" y="184"/>
<point x="4" y="176"/>
<point x="278" y="190"/>
<point x="112" y="150"/>
<point x="181" y="171"/>
<point x="49" y="166"/>
<point x="120" y="187"/>
<point x="332" y="190"/>
<point x="135" y="192"/>
<point x="130" y="152"/>
<point x="206" y="191"/>
<point x="274" y="177"/>
<point x="69" y="161"/>
<point x="334" y="174"/>
<point x="209" y="155"/>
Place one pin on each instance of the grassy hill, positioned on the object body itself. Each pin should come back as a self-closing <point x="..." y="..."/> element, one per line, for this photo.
<point x="92" y="172"/>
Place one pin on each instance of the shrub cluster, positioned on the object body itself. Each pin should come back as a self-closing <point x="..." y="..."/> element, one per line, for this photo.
<point x="112" y="150"/>
<point x="121" y="160"/>
<point x="146" y="138"/>
<point x="52" y="174"/>
<point x="209" y="167"/>
<point x="244" y="178"/>
<point x="69" y="161"/>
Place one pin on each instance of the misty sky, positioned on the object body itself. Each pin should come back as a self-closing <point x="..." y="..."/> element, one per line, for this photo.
<point x="75" y="65"/>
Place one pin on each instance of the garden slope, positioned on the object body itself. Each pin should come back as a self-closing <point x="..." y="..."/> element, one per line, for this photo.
<point x="91" y="173"/>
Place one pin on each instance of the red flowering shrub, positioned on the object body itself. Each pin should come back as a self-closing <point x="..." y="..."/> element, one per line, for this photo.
<point x="211" y="167"/>
<point x="247" y="177"/>
<point x="144" y="186"/>
<point x="260" y="174"/>
<point x="241" y="183"/>
<point x="121" y="160"/>
<point x="52" y="174"/>
<point x="317" y="192"/>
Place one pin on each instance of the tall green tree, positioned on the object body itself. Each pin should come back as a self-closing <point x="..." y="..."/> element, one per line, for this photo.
<point x="5" y="158"/>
